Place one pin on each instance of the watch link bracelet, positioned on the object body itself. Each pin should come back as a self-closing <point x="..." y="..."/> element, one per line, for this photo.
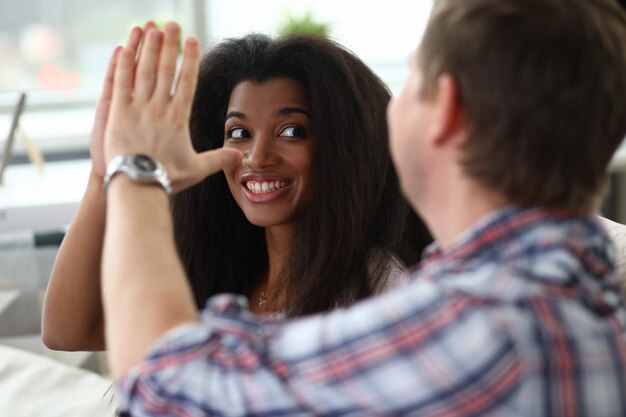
<point x="138" y="167"/>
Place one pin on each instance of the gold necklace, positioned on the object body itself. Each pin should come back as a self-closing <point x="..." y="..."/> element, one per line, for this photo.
<point x="262" y="299"/>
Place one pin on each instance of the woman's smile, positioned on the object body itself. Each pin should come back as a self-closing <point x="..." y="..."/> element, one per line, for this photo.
<point x="261" y="188"/>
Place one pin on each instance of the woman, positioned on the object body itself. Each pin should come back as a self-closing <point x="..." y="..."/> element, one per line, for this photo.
<point x="354" y="220"/>
<point x="311" y="220"/>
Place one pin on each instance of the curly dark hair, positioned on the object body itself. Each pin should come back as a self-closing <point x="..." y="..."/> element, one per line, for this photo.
<point x="357" y="218"/>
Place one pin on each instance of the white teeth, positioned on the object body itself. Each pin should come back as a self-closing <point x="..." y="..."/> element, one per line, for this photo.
<point x="264" y="187"/>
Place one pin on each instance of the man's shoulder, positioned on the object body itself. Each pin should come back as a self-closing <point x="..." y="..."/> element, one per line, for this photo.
<point x="515" y="257"/>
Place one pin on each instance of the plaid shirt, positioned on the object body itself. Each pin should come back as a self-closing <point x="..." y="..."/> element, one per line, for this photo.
<point x="521" y="317"/>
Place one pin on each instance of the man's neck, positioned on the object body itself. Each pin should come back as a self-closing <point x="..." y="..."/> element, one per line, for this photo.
<point x="454" y="212"/>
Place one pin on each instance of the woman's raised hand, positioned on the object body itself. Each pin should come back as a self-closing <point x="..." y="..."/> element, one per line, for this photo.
<point x="151" y="106"/>
<point x="96" y="147"/>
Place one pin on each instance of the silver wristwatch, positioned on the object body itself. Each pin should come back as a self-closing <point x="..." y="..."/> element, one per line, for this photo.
<point x="138" y="167"/>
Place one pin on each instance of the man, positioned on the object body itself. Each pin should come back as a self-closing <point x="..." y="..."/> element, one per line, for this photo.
<point x="501" y="138"/>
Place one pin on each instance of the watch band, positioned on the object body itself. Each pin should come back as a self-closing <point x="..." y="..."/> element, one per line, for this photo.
<point x="140" y="168"/>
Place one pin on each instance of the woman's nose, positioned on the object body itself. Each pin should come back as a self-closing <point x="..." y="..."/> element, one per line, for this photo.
<point x="261" y="153"/>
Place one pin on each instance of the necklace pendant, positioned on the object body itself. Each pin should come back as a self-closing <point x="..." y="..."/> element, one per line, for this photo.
<point x="262" y="299"/>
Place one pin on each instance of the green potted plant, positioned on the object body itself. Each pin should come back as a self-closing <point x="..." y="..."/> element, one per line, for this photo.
<point x="304" y="24"/>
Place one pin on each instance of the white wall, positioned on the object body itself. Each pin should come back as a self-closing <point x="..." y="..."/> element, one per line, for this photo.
<point x="383" y="33"/>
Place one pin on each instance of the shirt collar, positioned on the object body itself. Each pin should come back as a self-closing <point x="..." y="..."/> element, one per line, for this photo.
<point x="491" y="228"/>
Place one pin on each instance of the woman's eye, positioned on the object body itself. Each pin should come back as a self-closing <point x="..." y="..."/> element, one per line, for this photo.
<point x="238" y="133"/>
<point x="293" y="131"/>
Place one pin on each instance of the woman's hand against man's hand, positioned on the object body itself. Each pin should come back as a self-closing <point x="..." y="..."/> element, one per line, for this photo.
<point x="96" y="147"/>
<point x="150" y="108"/>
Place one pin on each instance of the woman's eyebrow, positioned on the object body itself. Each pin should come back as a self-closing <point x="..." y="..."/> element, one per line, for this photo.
<point x="290" y="110"/>
<point x="237" y="114"/>
<point x="281" y="112"/>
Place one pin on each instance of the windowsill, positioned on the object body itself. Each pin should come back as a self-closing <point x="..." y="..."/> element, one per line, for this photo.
<point x="45" y="201"/>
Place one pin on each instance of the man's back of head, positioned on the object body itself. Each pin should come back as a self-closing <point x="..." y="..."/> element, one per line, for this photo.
<point x="543" y="87"/>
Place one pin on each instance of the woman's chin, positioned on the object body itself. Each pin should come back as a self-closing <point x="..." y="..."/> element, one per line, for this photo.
<point x="270" y="220"/>
<point x="263" y="221"/>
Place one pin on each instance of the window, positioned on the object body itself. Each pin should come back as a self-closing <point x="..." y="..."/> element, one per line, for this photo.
<point x="64" y="44"/>
<point x="383" y="34"/>
<point x="57" y="50"/>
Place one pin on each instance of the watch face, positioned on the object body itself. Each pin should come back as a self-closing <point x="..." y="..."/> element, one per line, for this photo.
<point x="145" y="163"/>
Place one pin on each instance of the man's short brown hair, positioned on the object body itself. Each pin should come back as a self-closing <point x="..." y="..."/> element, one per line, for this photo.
<point x="543" y="87"/>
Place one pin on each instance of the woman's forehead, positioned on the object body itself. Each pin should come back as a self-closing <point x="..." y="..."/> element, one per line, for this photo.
<point x="270" y="95"/>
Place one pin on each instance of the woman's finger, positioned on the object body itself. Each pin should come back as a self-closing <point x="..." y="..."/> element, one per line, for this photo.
<point x="145" y="75"/>
<point x="213" y="161"/>
<point x="188" y="77"/>
<point x="139" y="46"/>
<point x="134" y="39"/>
<point x="137" y="37"/>
<point x="105" y="96"/>
<point x="123" y="78"/>
<point x="102" y="109"/>
<point x="167" y="61"/>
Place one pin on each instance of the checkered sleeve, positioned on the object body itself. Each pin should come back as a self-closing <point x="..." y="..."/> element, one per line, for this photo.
<point x="396" y="354"/>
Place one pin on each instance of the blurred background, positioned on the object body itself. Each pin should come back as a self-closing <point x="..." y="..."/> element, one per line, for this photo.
<point x="57" y="50"/>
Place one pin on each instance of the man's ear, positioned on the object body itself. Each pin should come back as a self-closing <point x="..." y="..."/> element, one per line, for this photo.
<point x="447" y="110"/>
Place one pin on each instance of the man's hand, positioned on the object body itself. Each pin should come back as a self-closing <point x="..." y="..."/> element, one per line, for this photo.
<point x="150" y="108"/>
<point x="96" y="148"/>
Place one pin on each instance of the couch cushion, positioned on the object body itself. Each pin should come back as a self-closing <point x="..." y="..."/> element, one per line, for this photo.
<point x="32" y="385"/>
<point x="617" y="231"/>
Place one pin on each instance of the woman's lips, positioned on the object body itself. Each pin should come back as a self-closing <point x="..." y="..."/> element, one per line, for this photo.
<point x="260" y="189"/>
